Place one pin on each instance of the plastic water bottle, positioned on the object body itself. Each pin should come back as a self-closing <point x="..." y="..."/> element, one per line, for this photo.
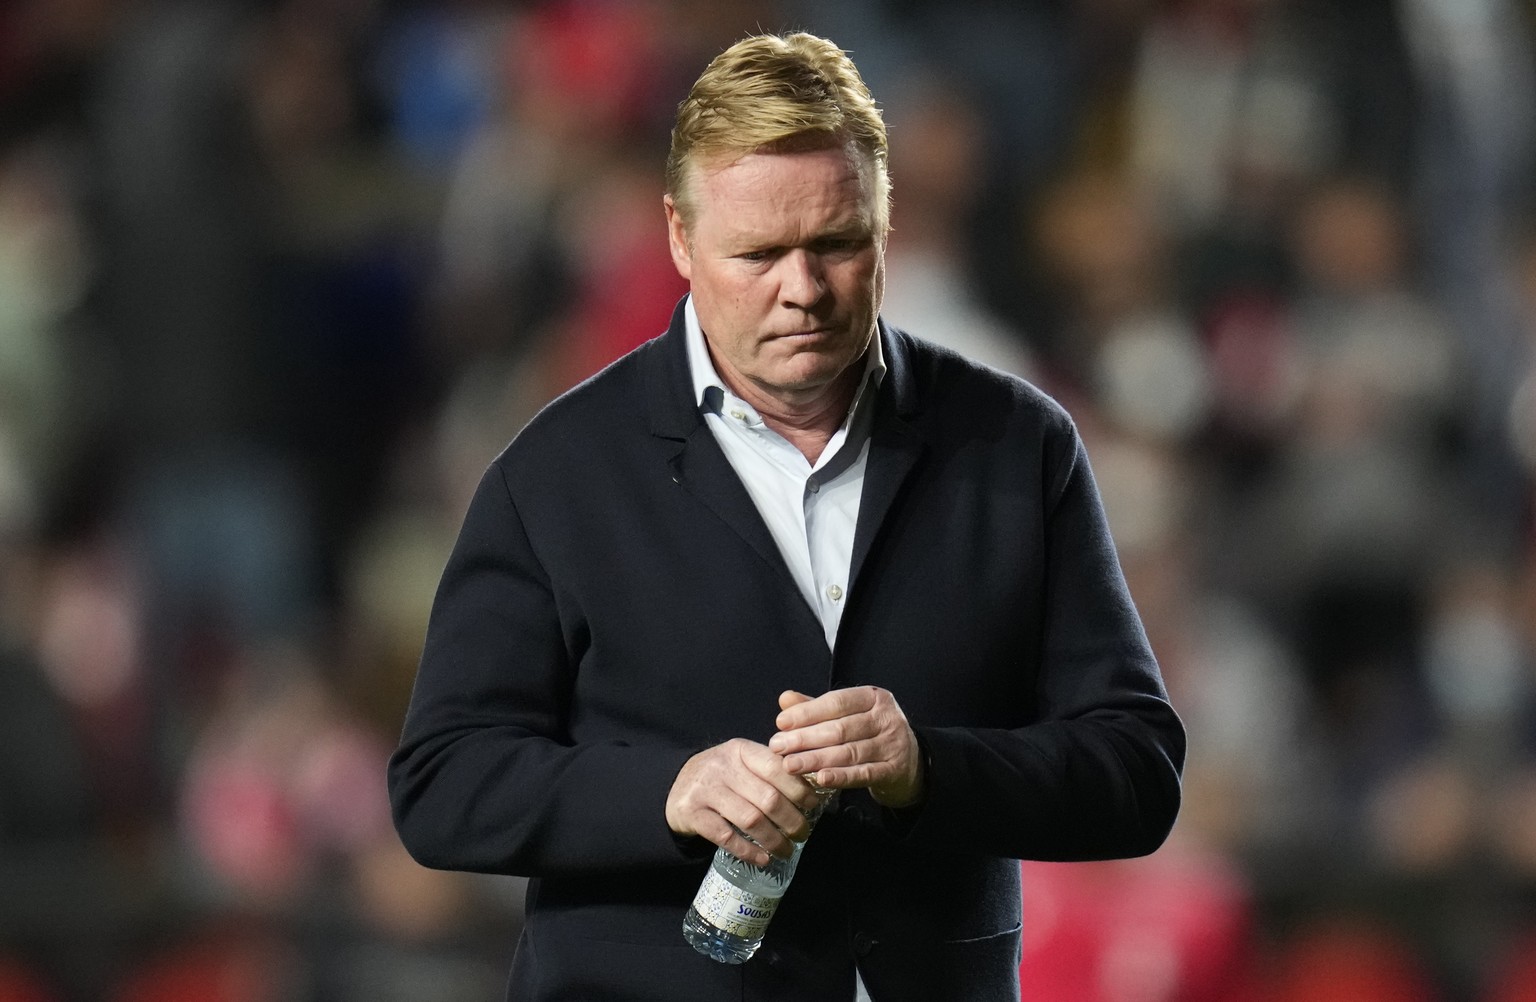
<point x="730" y="914"/>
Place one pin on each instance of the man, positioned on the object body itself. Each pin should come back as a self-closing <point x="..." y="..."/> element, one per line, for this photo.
<point x="784" y="543"/>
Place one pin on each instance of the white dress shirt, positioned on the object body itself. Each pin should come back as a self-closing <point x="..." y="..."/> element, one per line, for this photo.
<point x="810" y="509"/>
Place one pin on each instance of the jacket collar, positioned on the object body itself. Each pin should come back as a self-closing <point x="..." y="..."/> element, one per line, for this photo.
<point x="674" y="411"/>
<point x="700" y="467"/>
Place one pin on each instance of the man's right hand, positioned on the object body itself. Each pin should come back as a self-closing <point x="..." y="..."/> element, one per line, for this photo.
<point x="741" y="783"/>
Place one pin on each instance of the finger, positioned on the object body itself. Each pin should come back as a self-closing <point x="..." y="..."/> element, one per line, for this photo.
<point x="747" y="811"/>
<point x="790" y="697"/>
<point x="834" y="718"/>
<point x="827" y="734"/>
<point x="855" y="777"/>
<point x="850" y="738"/>
<point x="836" y="766"/>
<point x="769" y="828"/>
<point x="892" y="775"/>
<point x="778" y="814"/>
<point x="789" y="796"/>
<point x="889" y="755"/>
<point x="719" y="780"/>
<point x="827" y="706"/>
<point x="722" y="833"/>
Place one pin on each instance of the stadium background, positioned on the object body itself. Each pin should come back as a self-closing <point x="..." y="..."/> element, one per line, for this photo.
<point x="278" y="278"/>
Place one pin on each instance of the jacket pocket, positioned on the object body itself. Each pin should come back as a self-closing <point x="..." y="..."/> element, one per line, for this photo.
<point x="975" y="969"/>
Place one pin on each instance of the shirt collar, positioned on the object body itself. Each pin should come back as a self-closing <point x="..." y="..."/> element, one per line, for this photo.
<point x="709" y="390"/>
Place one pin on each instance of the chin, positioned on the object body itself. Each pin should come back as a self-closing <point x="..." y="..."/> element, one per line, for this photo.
<point x="805" y="382"/>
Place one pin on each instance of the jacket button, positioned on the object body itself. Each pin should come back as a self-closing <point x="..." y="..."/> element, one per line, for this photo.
<point x="863" y="942"/>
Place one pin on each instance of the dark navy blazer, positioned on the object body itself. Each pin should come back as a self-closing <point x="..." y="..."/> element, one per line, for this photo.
<point x="615" y="604"/>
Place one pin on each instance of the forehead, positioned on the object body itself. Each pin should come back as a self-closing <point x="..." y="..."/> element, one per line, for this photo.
<point x="769" y="192"/>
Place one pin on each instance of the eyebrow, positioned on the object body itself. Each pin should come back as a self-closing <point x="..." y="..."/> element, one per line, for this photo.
<point x="856" y="228"/>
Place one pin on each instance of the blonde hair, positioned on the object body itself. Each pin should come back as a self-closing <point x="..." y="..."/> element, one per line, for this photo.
<point x="778" y="93"/>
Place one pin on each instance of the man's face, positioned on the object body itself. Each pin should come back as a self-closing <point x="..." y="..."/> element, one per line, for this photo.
<point x="787" y="270"/>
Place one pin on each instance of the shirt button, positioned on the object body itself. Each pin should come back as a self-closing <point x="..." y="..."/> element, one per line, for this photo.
<point x="812" y="486"/>
<point x="739" y="414"/>
<point x="834" y="592"/>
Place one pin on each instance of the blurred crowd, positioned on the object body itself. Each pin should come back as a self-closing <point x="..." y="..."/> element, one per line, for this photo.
<point x="279" y="277"/>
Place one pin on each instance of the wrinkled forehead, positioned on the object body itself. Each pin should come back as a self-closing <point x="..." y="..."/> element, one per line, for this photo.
<point x="772" y="197"/>
<point x="864" y="166"/>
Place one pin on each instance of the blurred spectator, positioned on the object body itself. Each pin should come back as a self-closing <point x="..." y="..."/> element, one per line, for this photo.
<point x="180" y="230"/>
<point x="1520" y="427"/>
<point x="1177" y="928"/>
<point x="276" y="786"/>
<point x="1359" y="507"/>
<point x="348" y="204"/>
<point x="1236" y="103"/>
<point x="928" y="283"/>
<point x="289" y="830"/>
<point x="1474" y="63"/>
<point x="575" y="84"/>
<point x="199" y="472"/>
<point x="1250" y="783"/>
<point x="1015" y="66"/>
<point x="42" y="279"/>
<point x="622" y="276"/>
<point x="1123" y="340"/>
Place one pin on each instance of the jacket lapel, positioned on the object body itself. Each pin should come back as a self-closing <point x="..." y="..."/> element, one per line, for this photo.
<point x="894" y="448"/>
<point x="698" y="465"/>
<point x="696" y="461"/>
<point x="701" y="469"/>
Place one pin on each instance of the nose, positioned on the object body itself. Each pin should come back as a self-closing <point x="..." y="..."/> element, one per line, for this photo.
<point x="802" y="281"/>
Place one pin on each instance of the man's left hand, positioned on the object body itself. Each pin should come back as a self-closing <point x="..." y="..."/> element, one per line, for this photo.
<point x="851" y="738"/>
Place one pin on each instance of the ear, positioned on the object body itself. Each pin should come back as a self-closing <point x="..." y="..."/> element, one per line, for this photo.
<point x="677" y="239"/>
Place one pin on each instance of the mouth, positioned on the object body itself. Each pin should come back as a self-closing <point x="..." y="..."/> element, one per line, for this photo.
<point x="808" y="334"/>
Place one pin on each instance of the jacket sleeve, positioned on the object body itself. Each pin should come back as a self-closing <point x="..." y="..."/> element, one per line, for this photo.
<point x="485" y="777"/>
<point x="1096" y="774"/>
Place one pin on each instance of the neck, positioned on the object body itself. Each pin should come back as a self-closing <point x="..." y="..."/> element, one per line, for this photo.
<point x="809" y="421"/>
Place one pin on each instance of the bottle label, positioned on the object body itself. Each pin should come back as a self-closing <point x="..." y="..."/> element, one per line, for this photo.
<point x="725" y="906"/>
